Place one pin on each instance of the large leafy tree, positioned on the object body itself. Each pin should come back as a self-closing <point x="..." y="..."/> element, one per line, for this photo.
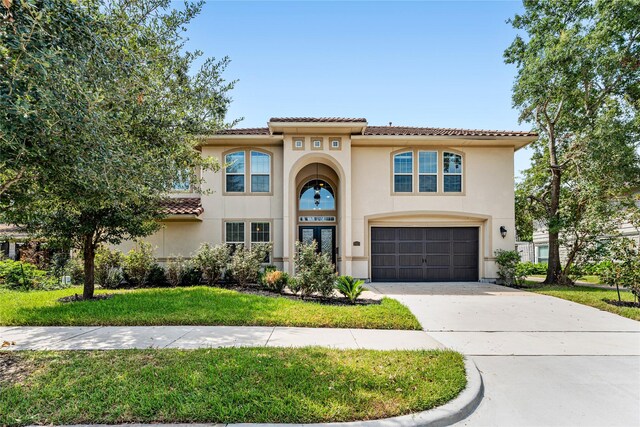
<point x="578" y="82"/>
<point x="101" y="113"/>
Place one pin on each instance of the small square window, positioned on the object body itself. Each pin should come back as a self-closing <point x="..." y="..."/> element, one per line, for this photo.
<point x="317" y="143"/>
<point x="335" y="143"/>
<point x="298" y="143"/>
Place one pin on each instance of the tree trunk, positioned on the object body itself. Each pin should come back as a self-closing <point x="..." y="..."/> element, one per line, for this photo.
<point x="554" y="268"/>
<point x="89" y="251"/>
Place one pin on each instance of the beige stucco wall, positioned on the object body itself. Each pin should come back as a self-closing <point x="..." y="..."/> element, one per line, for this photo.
<point x="364" y="198"/>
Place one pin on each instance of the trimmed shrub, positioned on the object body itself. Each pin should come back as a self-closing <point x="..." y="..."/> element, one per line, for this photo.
<point x="138" y="264"/>
<point x="245" y="263"/>
<point x="157" y="277"/>
<point x="176" y="269"/>
<point x="212" y="261"/>
<point x="529" y="269"/>
<point x="349" y="287"/>
<point x="25" y="276"/>
<point x="108" y="268"/>
<point x="507" y="262"/>
<point x="624" y="267"/>
<point x="314" y="272"/>
<point x="192" y="276"/>
<point x="75" y="270"/>
<point x="276" y="280"/>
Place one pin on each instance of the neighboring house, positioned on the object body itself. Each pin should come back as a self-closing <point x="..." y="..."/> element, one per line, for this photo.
<point x="12" y="238"/>
<point x="386" y="203"/>
<point x="540" y="245"/>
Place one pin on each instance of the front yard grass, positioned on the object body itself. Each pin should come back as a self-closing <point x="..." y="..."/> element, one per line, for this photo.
<point x="225" y="385"/>
<point x="194" y="306"/>
<point x="593" y="297"/>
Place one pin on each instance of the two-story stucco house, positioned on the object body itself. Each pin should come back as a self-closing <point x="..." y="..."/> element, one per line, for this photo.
<point x="387" y="203"/>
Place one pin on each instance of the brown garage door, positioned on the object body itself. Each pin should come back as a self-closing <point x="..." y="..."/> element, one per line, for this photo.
<point x="412" y="254"/>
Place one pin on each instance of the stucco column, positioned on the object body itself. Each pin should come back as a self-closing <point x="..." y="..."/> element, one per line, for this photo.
<point x="347" y="240"/>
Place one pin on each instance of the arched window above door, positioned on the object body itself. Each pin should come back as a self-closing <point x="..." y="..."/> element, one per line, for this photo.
<point x="317" y="195"/>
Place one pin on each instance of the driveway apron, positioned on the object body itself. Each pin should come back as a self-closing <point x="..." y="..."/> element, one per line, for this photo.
<point x="544" y="361"/>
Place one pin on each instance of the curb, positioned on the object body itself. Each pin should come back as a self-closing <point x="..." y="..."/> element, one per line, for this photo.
<point x="449" y="413"/>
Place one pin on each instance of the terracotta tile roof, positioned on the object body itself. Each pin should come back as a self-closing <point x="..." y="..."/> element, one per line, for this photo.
<point x="245" y="131"/>
<point x="183" y="206"/>
<point x="418" y="131"/>
<point x="317" y="119"/>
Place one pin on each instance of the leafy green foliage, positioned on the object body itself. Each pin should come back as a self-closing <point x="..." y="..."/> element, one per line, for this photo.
<point x="138" y="264"/>
<point x="25" y="276"/>
<point x="315" y="273"/>
<point x="276" y="280"/>
<point x="245" y="262"/>
<point x="101" y="109"/>
<point x="578" y="82"/>
<point x="349" y="287"/>
<point x="212" y="261"/>
<point x="109" y="268"/>
<point x="624" y="267"/>
<point x="508" y="271"/>
<point x="530" y="268"/>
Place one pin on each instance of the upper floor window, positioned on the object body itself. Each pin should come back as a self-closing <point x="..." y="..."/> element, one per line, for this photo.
<point x="255" y="164"/>
<point x="452" y="172"/>
<point x="428" y="171"/>
<point x="183" y="181"/>
<point x="403" y="172"/>
<point x="234" y="172"/>
<point x="260" y="172"/>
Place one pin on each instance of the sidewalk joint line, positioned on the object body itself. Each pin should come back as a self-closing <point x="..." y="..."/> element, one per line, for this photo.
<point x="180" y="337"/>
<point x="354" y="338"/>
<point x="270" y="335"/>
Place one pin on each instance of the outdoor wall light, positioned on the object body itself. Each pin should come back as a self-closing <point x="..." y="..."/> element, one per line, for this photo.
<point x="503" y="231"/>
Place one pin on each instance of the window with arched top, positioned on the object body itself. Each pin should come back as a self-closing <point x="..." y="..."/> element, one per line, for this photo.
<point x="403" y="172"/>
<point x="317" y="195"/>
<point x="452" y="172"/>
<point x="247" y="171"/>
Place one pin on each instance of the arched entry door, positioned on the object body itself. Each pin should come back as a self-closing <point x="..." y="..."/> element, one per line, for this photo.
<point x="317" y="216"/>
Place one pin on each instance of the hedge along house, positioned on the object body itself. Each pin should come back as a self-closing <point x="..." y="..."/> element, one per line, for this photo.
<point x="386" y="203"/>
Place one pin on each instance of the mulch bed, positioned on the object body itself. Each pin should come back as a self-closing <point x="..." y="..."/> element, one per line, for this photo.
<point x="319" y="299"/>
<point x="617" y="303"/>
<point x="77" y="297"/>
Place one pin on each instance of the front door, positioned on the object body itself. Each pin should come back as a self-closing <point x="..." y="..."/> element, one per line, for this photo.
<point x="324" y="235"/>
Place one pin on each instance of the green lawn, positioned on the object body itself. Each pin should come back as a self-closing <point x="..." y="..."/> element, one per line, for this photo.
<point x="590" y="296"/>
<point x="195" y="306"/>
<point x="226" y="385"/>
<point x="595" y="280"/>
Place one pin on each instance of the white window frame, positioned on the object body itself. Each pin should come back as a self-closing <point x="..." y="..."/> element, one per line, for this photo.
<point x="317" y="143"/>
<point x="298" y="143"/>
<point x="251" y="173"/>
<point x="461" y="174"/>
<point x="403" y="173"/>
<point x="335" y="143"/>
<point x="428" y="173"/>
<point x="244" y="173"/>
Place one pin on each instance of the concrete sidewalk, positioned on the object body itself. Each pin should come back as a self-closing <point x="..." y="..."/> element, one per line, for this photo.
<point x="188" y="337"/>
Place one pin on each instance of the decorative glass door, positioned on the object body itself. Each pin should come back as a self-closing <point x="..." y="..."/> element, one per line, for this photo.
<point x="325" y="236"/>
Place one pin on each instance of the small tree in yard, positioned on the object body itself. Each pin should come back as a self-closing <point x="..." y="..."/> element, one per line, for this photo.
<point x="100" y="116"/>
<point x="624" y="267"/>
<point x="245" y="263"/>
<point x="314" y="272"/>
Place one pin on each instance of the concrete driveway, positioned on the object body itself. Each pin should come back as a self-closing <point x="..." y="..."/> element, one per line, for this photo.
<point x="545" y="361"/>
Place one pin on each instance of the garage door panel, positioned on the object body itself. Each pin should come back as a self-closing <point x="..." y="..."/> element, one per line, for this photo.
<point x="411" y="247"/>
<point x="437" y="234"/>
<point x="383" y="233"/>
<point x="410" y="261"/>
<point x="383" y="248"/>
<point x="410" y="233"/>
<point x="424" y="254"/>
<point x="469" y="247"/>
<point x="438" y="260"/>
<point x="437" y="247"/>
<point x="384" y="260"/>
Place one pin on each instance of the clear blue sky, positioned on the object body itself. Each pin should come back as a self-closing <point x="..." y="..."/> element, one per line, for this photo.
<point x="418" y="63"/>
